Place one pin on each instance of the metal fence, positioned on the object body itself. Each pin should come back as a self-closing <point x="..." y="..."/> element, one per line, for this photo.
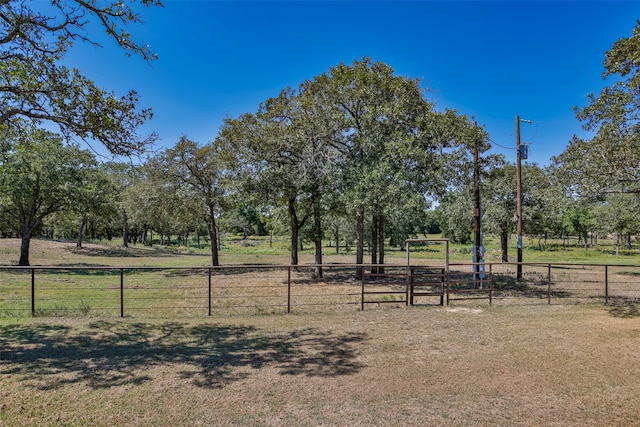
<point x="271" y="289"/>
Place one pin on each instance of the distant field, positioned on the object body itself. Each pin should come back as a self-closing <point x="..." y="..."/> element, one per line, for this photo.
<point x="175" y="281"/>
<point x="258" y="249"/>
<point x="472" y="365"/>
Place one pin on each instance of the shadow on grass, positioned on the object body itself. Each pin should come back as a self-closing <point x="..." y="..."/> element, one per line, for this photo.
<point x="108" y="354"/>
<point x="118" y="251"/>
<point x="623" y="309"/>
<point x="528" y="287"/>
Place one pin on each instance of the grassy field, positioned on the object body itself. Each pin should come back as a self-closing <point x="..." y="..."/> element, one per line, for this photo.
<point x="477" y="365"/>
<point x="258" y="250"/>
<point x="465" y="364"/>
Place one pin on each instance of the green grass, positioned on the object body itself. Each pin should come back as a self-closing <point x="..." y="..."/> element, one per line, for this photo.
<point x="184" y="292"/>
<point x="257" y="249"/>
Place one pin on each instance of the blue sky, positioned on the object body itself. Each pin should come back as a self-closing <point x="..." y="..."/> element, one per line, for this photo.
<point x="491" y="60"/>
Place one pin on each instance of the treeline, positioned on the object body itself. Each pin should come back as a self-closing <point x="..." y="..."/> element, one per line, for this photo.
<point x="357" y="151"/>
<point x="357" y="154"/>
<point x="551" y="209"/>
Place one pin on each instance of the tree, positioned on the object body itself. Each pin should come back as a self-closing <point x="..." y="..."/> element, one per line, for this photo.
<point x="94" y="198"/>
<point x="125" y="178"/>
<point x="357" y="138"/>
<point x="610" y="161"/>
<point x="288" y="159"/>
<point x="34" y="39"/>
<point x="39" y="176"/>
<point x="456" y="213"/>
<point x="393" y="145"/>
<point x="204" y="174"/>
<point x="619" y="215"/>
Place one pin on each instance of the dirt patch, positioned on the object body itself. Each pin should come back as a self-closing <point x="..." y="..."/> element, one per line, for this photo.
<point x="65" y="253"/>
<point x="464" y="310"/>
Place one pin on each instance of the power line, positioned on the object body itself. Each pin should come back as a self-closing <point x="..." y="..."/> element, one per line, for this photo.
<point x="502" y="146"/>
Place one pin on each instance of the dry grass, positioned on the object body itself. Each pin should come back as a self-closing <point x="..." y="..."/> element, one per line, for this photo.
<point x="467" y="364"/>
<point x="473" y="365"/>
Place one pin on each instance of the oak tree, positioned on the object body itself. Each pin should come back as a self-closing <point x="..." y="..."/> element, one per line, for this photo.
<point x="36" y="86"/>
<point x="610" y="161"/>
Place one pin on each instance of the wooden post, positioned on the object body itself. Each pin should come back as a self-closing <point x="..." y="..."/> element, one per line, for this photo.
<point x="519" y="199"/>
<point x="362" y="296"/>
<point x="549" y="284"/>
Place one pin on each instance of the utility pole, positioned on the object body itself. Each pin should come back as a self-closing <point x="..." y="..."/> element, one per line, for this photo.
<point x="519" y="195"/>
<point x="477" y="213"/>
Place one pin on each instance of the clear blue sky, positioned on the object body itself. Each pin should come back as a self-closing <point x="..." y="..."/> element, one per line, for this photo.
<point x="491" y="60"/>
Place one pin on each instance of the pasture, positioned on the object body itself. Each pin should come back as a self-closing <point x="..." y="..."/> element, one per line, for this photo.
<point x="469" y="363"/>
<point x="473" y="365"/>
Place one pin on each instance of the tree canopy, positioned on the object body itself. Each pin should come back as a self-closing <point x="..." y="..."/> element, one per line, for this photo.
<point x="358" y="138"/>
<point x="610" y="161"/>
<point x="34" y="85"/>
<point x="39" y="176"/>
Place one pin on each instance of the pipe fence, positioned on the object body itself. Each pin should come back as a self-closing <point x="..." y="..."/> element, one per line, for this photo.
<point x="272" y="289"/>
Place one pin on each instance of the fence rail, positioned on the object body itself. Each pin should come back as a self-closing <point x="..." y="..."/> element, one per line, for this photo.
<point x="205" y="291"/>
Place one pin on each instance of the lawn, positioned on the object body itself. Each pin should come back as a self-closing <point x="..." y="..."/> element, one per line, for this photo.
<point x="467" y="364"/>
<point x="472" y="365"/>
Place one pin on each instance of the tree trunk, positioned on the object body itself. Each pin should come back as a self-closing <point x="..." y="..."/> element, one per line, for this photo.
<point x="586" y="240"/>
<point x="294" y="242"/>
<point x="359" y="242"/>
<point x="317" y="237"/>
<point x="213" y="235"/>
<point x="504" y="244"/>
<point x="374" y="243"/>
<point x="381" y="243"/>
<point x="80" y="228"/>
<point x="24" y="248"/>
<point x="296" y="226"/>
<point x="617" y="243"/>
<point x="125" y="229"/>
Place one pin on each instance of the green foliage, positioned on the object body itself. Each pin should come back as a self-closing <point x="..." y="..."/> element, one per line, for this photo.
<point x="35" y="86"/>
<point x="455" y="215"/>
<point x="356" y="141"/>
<point x="39" y="176"/>
<point x="609" y="162"/>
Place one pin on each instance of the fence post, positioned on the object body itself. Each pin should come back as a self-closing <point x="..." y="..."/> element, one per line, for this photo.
<point x="549" y="284"/>
<point x="33" y="292"/>
<point x="362" y="295"/>
<point x="409" y="273"/>
<point x="209" y="292"/>
<point x="289" y="289"/>
<point x="606" y="284"/>
<point x="122" y="292"/>
<point x="490" y="287"/>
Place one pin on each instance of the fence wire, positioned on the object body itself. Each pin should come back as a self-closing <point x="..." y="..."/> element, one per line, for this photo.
<point x="274" y="289"/>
